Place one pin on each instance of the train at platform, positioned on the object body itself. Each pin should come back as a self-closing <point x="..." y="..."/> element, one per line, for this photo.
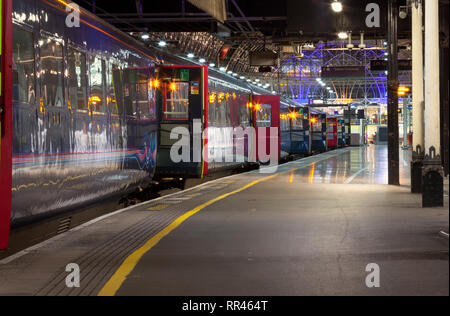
<point x="87" y="114"/>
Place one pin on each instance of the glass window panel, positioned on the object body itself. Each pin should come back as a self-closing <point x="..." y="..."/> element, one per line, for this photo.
<point x="144" y="96"/>
<point x="113" y="73"/>
<point x="243" y="112"/>
<point x="23" y="66"/>
<point x="77" y="79"/>
<point x="316" y="124"/>
<point x="297" y="123"/>
<point x="52" y="87"/>
<point x="96" y="82"/>
<point x="264" y="116"/>
<point x="285" y="122"/>
<point x="177" y="101"/>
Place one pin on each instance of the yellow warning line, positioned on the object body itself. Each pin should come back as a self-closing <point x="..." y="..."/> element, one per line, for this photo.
<point x="119" y="277"/>
<point x="116" y="281"/>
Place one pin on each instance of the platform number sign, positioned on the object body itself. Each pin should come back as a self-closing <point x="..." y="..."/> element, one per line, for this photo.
<point x="184" y="75"/>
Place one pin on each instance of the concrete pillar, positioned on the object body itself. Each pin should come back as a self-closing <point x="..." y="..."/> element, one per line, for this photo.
<point x="432" y="171"/>
<point x="417" y="76"/>
<point x="432" y="83"/>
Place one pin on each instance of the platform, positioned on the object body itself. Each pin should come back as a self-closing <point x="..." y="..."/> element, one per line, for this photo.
<point x="310" y="229"/>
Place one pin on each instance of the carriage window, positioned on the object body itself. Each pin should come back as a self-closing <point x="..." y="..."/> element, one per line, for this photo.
<point x="113" y="73"/>
<point x="297" y="123"/>
<point x="177" y="101"/>
<point x="316" y="124"/>
<point x="96" y="82"/>
<point x="23" y="66"/>
<point x="77" y="79"/>
<point x="212" y="108"/>
<point x="285" y="122"/>
<point x="52" y="70"/>
<point x="243" y="112"/>
<point x="145" y="97"/>
<point x="264" y="115"/>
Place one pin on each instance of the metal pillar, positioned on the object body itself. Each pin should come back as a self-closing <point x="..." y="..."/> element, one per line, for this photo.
<point x="393" y="127"/>
<point x="405" y="123"/>
<point x="433" y="173"/>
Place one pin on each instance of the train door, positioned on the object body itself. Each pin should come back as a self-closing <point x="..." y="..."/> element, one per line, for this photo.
<point x="266" y="119"/>
<point x="318" y="132"/>
<point x="184" y="92"/>
<point x="332" y="132"/>
<point x="5" y="121"/>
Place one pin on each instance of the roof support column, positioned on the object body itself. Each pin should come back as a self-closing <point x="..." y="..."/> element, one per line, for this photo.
<point x="433" y="172"/>
<point x="393" y="127"/>
<point x="432" y="84"/>
<point x="418" y="97"/>
<point x="417" y="75"/>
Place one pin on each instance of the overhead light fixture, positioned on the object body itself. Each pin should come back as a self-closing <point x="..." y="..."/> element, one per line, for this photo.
<point x="257" y="80"/>
<point x="145" y="36"/>
<point x="350" y="44"/>
<point x="343" y="35"/>
<point x="403" y="14"/>
<point x="222" y="69"/>
<point x="362" y="45"/>
<point x="319" y="80"/>
<point x="337" y="6"/>
<point x="162" y="43"/>
<point x="242" y="78"/>
<point x="190" y="55"/>
<point x="229" y="72"/>
<point x="202" y="60"/>
<point x="212" y="65"/>
<point x="235" y="74"/>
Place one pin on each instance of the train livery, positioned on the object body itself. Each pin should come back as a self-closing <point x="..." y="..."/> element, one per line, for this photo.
<point x="87" y="113"/>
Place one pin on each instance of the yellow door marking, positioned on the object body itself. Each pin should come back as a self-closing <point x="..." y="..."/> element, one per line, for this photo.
<point x="158" y="207"/>
<point x="118" y="278"/>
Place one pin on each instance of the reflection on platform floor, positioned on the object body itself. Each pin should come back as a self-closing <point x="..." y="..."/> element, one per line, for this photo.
<point x="310" y="229"/>
<point x="362" y="165"/>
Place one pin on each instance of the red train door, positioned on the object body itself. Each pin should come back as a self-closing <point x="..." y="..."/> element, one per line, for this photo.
<point x="266" y="115"/>
<point x="5" y="121"/>
<point x="332" y="132"/>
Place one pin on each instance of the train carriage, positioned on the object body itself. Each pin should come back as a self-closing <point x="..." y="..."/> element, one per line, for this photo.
<point x="341" y="132"/>
<point x="84" y="117"/>
<point x="332" y="132"/>
<point x="286" y="129"/>
<point x="318" y="121"/>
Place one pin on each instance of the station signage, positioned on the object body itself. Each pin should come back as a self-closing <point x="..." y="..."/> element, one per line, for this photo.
<point x="216" y="8"/>
<point x="382" y="65"/>
<point x="343" y="72"/>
